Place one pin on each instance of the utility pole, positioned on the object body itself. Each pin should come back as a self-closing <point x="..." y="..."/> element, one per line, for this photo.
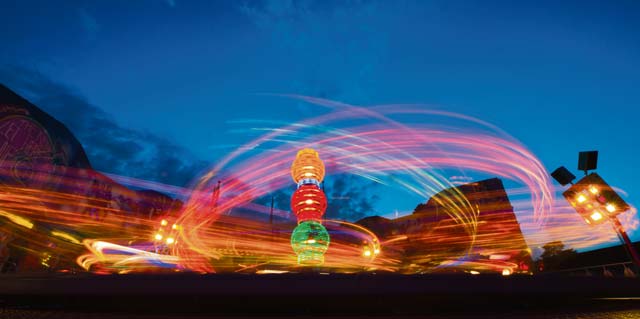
<point x="271" y="213"/>
<point x="624" y="238"/>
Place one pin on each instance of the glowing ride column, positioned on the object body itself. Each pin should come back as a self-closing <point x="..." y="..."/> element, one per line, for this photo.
<point x="309" y="240"/>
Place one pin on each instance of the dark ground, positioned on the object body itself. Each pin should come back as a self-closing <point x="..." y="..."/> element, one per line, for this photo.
<point x="360" y="296"/>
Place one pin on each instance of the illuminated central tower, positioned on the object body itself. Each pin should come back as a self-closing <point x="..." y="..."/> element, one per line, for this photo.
<point x="310" y="240"/>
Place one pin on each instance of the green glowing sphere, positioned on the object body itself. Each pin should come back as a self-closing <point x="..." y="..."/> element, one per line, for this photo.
<point x="310" y="240"/>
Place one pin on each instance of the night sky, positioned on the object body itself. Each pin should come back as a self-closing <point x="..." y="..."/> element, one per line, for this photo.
<point x="169" y="80"/>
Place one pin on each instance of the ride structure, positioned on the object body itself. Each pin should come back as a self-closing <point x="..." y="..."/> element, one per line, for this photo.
<point x="310" y="239"/>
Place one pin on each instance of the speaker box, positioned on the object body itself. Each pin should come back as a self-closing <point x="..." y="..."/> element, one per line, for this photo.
<point x="563" y="176"/>
<point x="588" y="161"/>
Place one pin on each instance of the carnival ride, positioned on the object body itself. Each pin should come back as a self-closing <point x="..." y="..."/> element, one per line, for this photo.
<point x="394" y="146"/>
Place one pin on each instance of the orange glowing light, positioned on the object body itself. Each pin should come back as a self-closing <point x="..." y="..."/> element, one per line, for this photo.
<point x="596" y="216"/>
<point x="66" y="236"/>
<point x="611" y="208"/>
<point x="307" y="165"/>
<point x="17" y="219"/>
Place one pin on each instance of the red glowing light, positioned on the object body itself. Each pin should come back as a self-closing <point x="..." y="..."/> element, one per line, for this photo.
<point x="308" y="203"/>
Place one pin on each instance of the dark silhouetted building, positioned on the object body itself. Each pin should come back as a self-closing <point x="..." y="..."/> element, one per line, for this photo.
<point x="41" y="159"/>
<point x="469" y="227"/>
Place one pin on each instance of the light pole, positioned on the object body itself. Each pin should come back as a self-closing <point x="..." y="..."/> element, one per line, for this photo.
<point x="595" y="200"/>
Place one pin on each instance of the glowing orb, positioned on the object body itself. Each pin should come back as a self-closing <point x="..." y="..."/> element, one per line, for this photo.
<point x="307" y="165"/>
<point x="308" y="203"/>
<point x="310" y="240"/>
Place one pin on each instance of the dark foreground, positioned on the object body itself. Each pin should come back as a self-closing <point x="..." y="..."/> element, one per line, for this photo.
<point x="189" y="295"/>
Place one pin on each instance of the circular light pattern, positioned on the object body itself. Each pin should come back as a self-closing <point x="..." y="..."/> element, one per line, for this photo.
<point x="308" y="203"/>
<point x="310" y="240"/>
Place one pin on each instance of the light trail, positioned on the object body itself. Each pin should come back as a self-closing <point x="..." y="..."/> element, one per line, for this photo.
<point x="225" y="230"/>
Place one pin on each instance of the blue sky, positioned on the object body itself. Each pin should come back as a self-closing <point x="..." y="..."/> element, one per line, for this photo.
<point x="560" y="76"/>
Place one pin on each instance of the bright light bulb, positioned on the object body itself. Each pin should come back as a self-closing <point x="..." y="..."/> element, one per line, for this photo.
<point x="174" y="226"/>
<point x="473" y="272"/>
<point x="170" y="241"/>
<point x="377" y="251"/>
<point x="506" y="272"/>
<point x="158" y="237"/>
<point x="308" y="201"/>
<point x="593" y="190"/>
<point x="611" y="208"/>
<point x="311" y="241"/>
<point x="581" y="198"/>
<point x="163" y="222"/>
<point x="596" y="216"/>
<point x="367" y="253"/>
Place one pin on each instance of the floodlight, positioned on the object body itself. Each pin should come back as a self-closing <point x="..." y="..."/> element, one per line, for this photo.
<point x="594" y="199"/>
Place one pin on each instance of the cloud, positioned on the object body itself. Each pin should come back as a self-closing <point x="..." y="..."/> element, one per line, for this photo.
<point x="350" y="198"/>
<point x="110" y="147"/>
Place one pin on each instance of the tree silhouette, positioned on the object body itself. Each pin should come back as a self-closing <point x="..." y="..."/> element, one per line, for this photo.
<point x="555" y="257"/>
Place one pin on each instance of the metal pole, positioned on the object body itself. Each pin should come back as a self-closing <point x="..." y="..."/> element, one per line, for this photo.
<point x="273" y="232"/>
<point x="271" y="213"/>
<point x="635" y="258"/>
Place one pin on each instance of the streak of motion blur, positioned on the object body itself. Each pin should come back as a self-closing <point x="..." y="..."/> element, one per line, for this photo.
<point x="76" y="219"/>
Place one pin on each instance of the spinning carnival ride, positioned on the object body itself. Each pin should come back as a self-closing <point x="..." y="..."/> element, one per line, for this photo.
<point x="310" y="240"/>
